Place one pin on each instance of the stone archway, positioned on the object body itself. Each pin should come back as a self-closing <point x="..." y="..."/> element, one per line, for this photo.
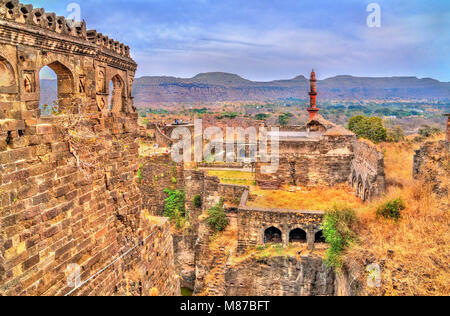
<point x="354" y="180"/>
<point x="117" y="95"/>
<point x="65" y="85"/>
<point x="273" y="235"/>
<point x="359" y="188"/>
<point x="298" y="236"/>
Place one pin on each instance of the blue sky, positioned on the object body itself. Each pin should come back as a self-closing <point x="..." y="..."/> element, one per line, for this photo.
<point x="277" y="39"/>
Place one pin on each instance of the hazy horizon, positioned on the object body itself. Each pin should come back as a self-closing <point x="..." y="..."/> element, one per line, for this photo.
<point x="268" y="40"/>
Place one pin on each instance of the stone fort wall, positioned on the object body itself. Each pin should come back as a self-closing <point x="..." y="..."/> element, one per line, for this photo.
<point x="280" y="276"/>
<point x="432" y="165"/>
<point x="61" y="205"/>
<point x="328" y="161"/>
<point x="367" y="171"/>
<point x="253" y="222"/>
<point x="324" y="161"/>
<point x="158" y="172"/>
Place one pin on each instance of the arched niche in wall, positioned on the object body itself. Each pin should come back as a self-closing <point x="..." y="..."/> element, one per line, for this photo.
<point x="297" y="236"/>
<point x="7" y="78"/>
<point x="273" y="235"/>
<point x="318" y="237"/>
<point x="64" y="87"/>
<point x="116" y="98"/>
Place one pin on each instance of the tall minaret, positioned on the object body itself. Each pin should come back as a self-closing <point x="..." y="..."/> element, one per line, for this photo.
<point x="313" y="110"/>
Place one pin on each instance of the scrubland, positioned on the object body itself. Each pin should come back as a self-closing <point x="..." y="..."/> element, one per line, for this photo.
<point x="413" y="253"/>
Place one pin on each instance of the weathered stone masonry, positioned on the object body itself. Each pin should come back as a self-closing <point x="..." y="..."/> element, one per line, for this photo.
<point x="253" y="223"/>
<point x="367" y="171"/>
<point x="52" y="213"/>
<point x="322" y="154"/>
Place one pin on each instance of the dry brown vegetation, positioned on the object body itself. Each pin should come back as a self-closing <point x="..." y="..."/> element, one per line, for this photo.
<point x="289" y="197"/>
<point x="414" y="253"/>
<point x="297" y="198"/>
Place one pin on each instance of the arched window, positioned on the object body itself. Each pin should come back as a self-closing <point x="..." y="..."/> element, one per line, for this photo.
<point x="56" y="88"/>
<point x="366" y="195"/>
<point x="359" y="188"/>
<point x="319" y="238"/>
<point x="272" y="235"/>
<point x="297" y="235"/>
<point x="116" y="94"/>
<point x="48" y="99"/>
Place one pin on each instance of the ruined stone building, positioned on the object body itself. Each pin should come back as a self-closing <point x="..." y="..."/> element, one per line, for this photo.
<point x="71" y="221"/>
<point x="321" y="153"/>
<point x="432" y="165"/>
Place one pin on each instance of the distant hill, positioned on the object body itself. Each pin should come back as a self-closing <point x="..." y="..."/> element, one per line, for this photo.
<point x="49" y="91"/>
<point x="218" y="86"/>
<point x="210" y="87"/>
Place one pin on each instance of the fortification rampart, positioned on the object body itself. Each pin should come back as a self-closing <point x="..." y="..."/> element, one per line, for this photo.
<point x="157" y="173"/>
<point x="69" y="200"/>
<point x="432" y="165"/>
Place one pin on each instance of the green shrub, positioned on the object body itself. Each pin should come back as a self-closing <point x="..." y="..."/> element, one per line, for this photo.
<point x="339" y="231"/>
<point x="173" y="180"/>
<point x="370" y="128"/>
<point x="262" y="116"/>
<point x="174" y="206"/>
<point x="391" y="209"/>
<point x="217" y="218"/>
<point x="427" y="131"/>
<point x="283" y="119"/>
<point x="139" y="174"/>
<point x="197" y="201"/>
<point x="395" y="134"/>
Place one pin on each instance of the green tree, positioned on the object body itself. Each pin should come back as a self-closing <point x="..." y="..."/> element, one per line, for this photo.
<point x="370" y="128"/>
<point x="174" y="206"/>
<point x="217" y="218"/>
<point x="283" y="118"/>
<point x="262" y="116"/>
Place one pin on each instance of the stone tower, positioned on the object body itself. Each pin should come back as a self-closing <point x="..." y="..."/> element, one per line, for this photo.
<point x="313" y="110"/>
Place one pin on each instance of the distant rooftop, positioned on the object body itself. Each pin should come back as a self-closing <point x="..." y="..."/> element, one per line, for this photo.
<point x="287" y="135"/>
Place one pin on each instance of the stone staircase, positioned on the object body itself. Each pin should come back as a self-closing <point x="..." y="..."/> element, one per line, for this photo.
<point x="217" y="274"/>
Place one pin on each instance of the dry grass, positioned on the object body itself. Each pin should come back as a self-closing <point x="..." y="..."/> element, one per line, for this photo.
<point x="227" y="238"/>
<point x="233" y="177"/>
<point x="414" y="253"/>
<point x="304" y="198"/>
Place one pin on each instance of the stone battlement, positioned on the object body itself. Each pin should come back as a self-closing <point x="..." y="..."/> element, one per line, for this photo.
<point x="26" y="19"/>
